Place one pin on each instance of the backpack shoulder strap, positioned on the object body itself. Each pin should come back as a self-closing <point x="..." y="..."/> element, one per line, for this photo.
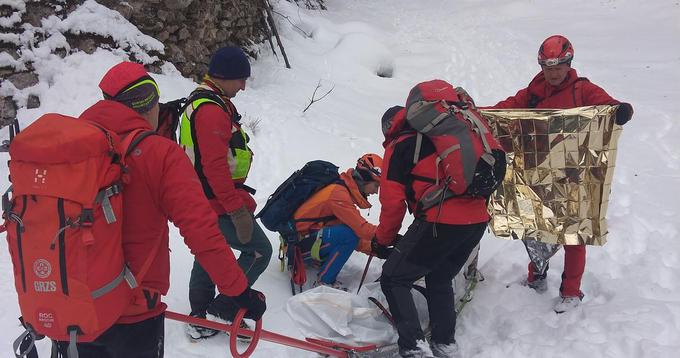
<point x="133" y="139"/>
<point x="180" y="102"/>
<point x="210" y="96"/>
<point x="322" y="219"/>
<point x="129" y="143"/>
<point x="419" y="145"/>
<point x="578" y="91"/>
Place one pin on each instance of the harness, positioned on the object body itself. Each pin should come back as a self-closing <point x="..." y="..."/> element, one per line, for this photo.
<point x="314" y="237"/>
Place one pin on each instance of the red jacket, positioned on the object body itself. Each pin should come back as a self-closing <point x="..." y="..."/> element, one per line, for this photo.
<point x="400" y="188"/>
<point x="573" y="92"/>
<point x="163" y="187"/>
<point x="213" y="134"/>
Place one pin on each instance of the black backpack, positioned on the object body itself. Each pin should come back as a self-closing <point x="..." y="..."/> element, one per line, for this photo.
<point x="170" y="112"/>
<point x="277" y="214"/>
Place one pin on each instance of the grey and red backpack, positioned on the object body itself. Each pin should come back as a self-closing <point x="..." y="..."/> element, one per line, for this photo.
<point x="470" y="157"/>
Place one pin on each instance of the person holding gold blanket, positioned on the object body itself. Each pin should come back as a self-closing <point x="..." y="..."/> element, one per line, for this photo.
<point x="558" y="86"/>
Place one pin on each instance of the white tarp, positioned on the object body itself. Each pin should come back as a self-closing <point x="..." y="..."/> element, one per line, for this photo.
<point x="345" y="317"/>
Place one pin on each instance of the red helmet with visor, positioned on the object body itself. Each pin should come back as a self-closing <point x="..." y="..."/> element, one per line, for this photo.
<point x="555" y="50"/>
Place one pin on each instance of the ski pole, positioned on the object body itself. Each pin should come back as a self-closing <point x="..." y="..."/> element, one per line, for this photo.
<point x="258" y="334"/>
<point x="363" y="276"/>
<point x="384" y="310"/>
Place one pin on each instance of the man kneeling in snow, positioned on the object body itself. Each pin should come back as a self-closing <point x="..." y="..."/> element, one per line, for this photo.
<point x="331" y="225"/>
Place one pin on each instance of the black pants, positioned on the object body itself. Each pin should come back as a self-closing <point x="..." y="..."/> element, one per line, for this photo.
<point x="438" y="259"/>
<point x="143" y="339"/>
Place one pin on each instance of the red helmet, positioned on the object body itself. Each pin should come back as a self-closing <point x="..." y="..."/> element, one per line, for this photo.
<point x="554" y="50"/>
<point x="370" y="165"/>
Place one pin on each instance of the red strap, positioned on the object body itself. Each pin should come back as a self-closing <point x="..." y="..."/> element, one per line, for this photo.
<point x="147" y="263"/>
<point x="299" y="274"/>
<point x="87" y="235"/>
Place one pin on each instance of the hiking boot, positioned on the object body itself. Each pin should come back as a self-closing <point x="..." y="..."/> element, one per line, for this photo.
<point x="540" y="285"/>
<point x="336" y="285"/>
<point x="241" y="338"/>
<point x="196" y="332"/>
<point x="199" y="332"/>
<point x="441" y="350"/>
<point x="422" y="351"/>
<point x="568" y="303"/>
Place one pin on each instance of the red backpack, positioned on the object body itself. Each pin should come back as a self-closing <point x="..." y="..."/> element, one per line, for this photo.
<point x="64" y="227"/>
<point x="468" y="155"/>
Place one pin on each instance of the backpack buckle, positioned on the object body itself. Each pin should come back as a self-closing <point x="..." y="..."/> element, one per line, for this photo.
<point x="87" y="217"/>
<point x="130" y="278"/>
<point x="103" y="199"/>
<point x="6" y="202"/>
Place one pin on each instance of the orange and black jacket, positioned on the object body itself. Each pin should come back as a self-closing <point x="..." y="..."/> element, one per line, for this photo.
<point x="338" y="203"/>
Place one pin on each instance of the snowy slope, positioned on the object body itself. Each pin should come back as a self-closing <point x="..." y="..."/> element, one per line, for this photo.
<point x="629" y="47"/>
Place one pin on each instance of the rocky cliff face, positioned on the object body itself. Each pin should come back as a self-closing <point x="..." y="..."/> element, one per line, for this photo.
<point x="18" y="23"/>
<point x="192" y="29"/>
<point x="188" y="31"/>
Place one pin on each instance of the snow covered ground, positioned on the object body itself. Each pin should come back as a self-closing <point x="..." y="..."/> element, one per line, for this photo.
<point x="629" y="47"/>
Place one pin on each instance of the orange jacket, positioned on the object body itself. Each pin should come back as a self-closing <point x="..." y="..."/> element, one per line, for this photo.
<point x="339" y="202"/>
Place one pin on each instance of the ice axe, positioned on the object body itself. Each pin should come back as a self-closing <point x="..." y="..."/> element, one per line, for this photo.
<point x="363" y="276"/>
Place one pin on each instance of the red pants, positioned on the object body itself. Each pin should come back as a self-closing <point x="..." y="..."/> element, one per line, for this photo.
<point x="574" y="266"/>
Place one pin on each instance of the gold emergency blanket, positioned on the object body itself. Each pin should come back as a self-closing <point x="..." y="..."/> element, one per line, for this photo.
<point x="559" y="175"/>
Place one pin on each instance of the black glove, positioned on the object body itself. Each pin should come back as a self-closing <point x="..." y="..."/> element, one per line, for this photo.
<point x="378" y="250"/>
<point x="624" y="113"/>
<point x="252" y="300"/>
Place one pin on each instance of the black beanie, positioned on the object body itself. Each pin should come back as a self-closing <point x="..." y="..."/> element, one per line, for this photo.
<point x="386" y="120"/>
<point x="229" y="63"/>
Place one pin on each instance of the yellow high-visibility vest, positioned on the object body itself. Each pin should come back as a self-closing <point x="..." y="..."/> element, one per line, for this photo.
<point x="239" y="156"/>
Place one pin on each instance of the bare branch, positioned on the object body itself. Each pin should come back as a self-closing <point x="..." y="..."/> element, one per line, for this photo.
<point x="313" y="99"/>
<point x="251" y="123"/>
<point x="291" y="22"/>
<point x="272" y="25"/>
